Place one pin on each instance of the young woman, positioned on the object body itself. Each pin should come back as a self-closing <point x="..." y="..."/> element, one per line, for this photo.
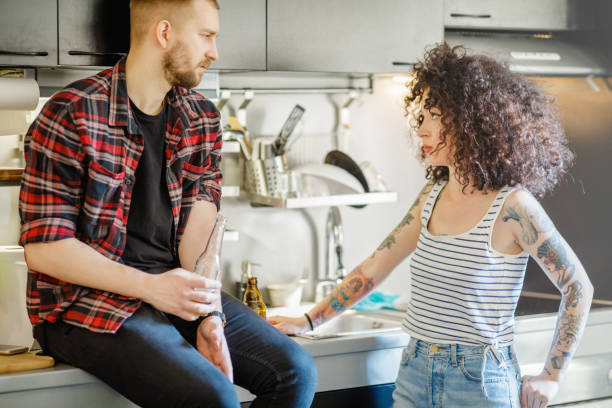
<point x="491" y="141"/>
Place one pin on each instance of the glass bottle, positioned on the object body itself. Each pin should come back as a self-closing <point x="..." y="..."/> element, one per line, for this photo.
<point x="208" y="263"/>
<point x="252" y="298"/>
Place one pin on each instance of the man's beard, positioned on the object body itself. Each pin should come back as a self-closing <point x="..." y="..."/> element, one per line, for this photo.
<point x="173" y="65"/>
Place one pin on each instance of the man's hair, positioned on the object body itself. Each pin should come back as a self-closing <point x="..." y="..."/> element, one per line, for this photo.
<point x="142" y="11"/>
<point x="503" y="128"/>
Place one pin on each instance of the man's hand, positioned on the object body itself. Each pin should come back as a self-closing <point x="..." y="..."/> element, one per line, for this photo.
<point x="211" y="344"/>
<point x="290" y="325"/>
<point x="177" y="292"/>
<point x="537" y="391"/>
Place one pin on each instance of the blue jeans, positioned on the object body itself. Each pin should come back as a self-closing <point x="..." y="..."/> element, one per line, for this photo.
<point x="454" y="375"/>
<point x="152" y="361"/>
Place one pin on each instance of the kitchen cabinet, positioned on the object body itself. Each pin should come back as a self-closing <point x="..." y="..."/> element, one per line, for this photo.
<point x="93" y="32"/>
<point x="349" y="36"/>
<point x="242" y="35"/>
<point x="28" y="33"/>
<point x="509" y="15"/>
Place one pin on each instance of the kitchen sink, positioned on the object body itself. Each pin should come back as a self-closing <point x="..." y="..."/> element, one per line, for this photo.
<point x="355" y="323"/>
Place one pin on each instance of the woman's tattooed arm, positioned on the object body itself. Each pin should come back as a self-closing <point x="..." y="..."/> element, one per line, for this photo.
<point x="408" y="220"/>
<point x="352" y="289"/>
<point x="537" y="235"/>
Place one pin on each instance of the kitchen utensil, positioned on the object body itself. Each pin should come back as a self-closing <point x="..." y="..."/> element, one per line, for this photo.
<point x="235" y="126"/>
<point x="286" y="294"/>
<point x="273" y="167"/>
<point x="289" y="184"/>
<point x="255" y="177"/>
<point x="335" y="179"/>
<point x="344" y="161"/>
<point x="281" y="140"/>
<point x="375" y="180"/>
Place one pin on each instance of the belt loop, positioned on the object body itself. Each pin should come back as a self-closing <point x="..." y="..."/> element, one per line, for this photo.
<point x="412" y="347"/>
<point x="453" y="353"/>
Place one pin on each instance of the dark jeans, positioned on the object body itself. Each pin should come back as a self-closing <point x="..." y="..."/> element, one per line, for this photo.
<point x="152" y="360"/>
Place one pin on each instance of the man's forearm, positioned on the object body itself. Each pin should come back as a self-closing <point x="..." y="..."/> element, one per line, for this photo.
<point x="73" y="261"/>
<point x="197" y="231"/>
<point x="571" y="321"/>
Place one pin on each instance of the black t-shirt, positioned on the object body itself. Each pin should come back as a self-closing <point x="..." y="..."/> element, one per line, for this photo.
<point x="150" y="224"/>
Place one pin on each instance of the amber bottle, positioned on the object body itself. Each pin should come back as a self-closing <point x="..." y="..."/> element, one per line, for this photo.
<point x="252" y="298"/>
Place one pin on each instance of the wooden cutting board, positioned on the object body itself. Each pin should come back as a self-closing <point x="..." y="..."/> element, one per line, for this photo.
<point x="24" y="362"/>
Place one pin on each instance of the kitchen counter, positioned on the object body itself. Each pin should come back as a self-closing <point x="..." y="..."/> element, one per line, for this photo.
<point x="349" y="363"/>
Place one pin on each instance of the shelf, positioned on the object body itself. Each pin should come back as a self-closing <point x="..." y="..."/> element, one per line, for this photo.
<point x="230" y="191"/>
<point x="231" y="236"/>
<point x="324" y="201"/>
<point x="230" y="146"/>
<point x="10" y="174"/>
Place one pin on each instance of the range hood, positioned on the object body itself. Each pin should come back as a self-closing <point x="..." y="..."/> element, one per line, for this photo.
<point x="560" y="53"/>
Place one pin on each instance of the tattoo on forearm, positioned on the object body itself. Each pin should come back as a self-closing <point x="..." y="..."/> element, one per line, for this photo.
<point x="561" y="362"/>
<point x="353" y="287"/>
<point x="567" y="333"/>
<point x="573" y="295"/>
<point x="553" y="254"/>
<point x="528" y="220"/>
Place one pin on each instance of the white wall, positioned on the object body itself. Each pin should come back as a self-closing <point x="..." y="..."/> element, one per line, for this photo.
<point x="286" y="242"/>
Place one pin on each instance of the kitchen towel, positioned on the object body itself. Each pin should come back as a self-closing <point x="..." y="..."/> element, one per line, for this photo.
<point x="18" y="94"/>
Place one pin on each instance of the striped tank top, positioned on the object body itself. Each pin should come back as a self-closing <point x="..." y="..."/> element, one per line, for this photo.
<point x="462" y="290"/>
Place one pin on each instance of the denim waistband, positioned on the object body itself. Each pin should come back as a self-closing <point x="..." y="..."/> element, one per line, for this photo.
<point x="499" y="353"/>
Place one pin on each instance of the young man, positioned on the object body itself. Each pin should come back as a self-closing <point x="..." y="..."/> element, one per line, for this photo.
<point x="119" y="195"/>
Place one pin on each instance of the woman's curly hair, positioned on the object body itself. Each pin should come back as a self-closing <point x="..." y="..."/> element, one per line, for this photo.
<point x="503" y="130"/>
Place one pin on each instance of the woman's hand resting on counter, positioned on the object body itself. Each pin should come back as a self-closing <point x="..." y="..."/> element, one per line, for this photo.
<point x="290" y="325"/>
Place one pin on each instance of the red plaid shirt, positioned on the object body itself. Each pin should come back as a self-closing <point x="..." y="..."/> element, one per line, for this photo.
<point x="81" y="157"/>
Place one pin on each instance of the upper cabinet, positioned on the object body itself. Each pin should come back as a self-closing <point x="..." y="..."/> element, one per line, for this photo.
<point x="278" y="35"/>
<point x="351" y="36"/>
<point x="242" y="35"/>
<point x="509" y="15"/>
<point x="93" y="32"/>
<point x="28" y="33"/>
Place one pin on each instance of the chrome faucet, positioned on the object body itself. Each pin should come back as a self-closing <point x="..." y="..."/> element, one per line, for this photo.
<point x="334" y="239"/>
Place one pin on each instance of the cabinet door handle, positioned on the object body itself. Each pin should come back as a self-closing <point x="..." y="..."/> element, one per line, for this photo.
<point x="97" y="54"/>
<point x="465" y="15"/>
<point x="25" y="53"/>
<point x="397" y="63"/>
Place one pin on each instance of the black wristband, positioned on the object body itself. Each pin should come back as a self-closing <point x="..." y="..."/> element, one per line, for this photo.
<point x="309" y="321"/>
<point x="217" y="313"/>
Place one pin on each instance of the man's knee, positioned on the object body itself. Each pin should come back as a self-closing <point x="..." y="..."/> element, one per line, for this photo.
<point x="215" y="391"/>
<point x="303" y="370"/>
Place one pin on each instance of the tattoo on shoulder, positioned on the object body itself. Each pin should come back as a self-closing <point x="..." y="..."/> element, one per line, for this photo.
<point x="533" y="223"/>
<point x="554" y="255"/>
<point x="408" y="218"/>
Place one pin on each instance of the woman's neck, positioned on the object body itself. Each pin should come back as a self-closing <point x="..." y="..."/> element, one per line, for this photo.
<point x="455" y="191"/>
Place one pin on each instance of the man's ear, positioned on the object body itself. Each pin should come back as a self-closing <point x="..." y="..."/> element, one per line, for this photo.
<point x="163" y="33"/>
